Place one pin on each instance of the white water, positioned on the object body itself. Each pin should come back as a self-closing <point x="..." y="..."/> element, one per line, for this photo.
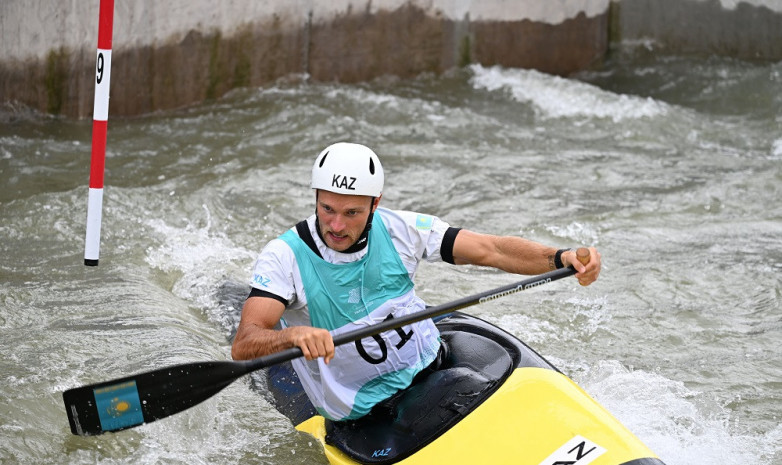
<point x="671" y="166"/>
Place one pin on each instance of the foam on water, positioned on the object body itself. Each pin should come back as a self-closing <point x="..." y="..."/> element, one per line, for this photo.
<point x="680" y="425"/>
<point x="776" y="150"/>
<point x="578" y="233"/>
<point x="556" y="97"/>
<point x="204" y="260"/>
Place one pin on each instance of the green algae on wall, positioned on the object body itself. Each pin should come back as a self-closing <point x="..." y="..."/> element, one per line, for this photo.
<point x="56" y="80"/>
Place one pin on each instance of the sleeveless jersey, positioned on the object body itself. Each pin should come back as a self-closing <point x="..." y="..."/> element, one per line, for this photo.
<point x="344" y="297"/>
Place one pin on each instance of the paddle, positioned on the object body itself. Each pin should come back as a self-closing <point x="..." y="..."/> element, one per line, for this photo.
<point x="143" y="398"/>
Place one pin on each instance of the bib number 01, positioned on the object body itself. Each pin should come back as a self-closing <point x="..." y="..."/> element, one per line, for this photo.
<point x="403" y="336"/>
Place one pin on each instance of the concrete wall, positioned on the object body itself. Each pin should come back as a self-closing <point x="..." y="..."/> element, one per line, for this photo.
<point x="746" y="29"/>
<point x="178" y="52"/>
<point x="173" y="53"/>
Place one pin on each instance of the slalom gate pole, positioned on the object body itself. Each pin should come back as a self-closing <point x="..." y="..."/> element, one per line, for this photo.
<point x="100" y="116"/>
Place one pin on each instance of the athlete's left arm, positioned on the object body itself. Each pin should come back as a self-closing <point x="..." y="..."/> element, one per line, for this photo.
<point x="518" y="255"/>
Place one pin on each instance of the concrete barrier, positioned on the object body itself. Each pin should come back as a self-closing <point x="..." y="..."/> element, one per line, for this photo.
<point x="745" y="29"/>
<point x="179" y="52"/>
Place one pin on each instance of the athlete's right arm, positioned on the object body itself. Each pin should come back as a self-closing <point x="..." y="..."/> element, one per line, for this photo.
<point x="256" y="335"/>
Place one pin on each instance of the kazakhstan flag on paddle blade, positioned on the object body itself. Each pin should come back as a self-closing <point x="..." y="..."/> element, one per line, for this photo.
<point x="424" y="222"/>
<point x="118" y="406"/>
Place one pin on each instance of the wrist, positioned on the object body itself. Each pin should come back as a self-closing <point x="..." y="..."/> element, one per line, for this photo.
<point x="558" y="258"/>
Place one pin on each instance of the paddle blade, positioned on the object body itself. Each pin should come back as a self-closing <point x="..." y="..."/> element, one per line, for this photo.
<point x="128" y="402"/>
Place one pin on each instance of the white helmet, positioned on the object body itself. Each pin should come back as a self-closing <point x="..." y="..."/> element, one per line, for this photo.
<point x="346" y="168"/>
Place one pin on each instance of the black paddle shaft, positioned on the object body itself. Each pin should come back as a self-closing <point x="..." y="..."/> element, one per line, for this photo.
<point x="143" y="398"/>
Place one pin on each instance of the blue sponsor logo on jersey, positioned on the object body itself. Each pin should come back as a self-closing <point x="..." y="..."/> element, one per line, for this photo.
<point x="262" y="281"/>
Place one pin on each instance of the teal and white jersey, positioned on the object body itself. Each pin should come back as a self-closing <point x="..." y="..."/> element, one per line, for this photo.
<point x="343" y="292"/>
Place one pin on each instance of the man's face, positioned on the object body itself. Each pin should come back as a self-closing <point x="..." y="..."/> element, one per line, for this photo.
<point x="342" y="217"/>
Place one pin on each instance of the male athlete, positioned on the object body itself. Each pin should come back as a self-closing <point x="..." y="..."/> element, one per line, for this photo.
<point x="352" y="264"/>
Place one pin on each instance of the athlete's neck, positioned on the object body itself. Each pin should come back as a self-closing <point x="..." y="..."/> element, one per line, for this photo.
<point x="360" y="243"/>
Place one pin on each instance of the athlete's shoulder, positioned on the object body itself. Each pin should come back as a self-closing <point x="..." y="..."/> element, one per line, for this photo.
<point x="279" y="246"/>
<point x="408" y="219"/>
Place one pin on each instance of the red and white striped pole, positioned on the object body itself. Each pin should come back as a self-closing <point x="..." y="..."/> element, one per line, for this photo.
<point x="100" y="117"/>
